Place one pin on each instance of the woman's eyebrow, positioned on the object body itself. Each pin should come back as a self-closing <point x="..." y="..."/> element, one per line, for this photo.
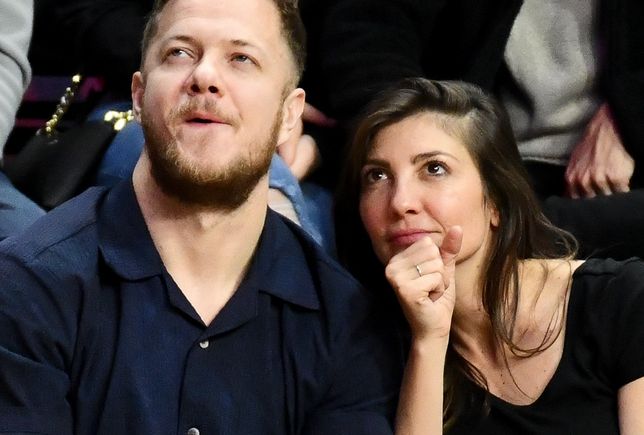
<point x="424" y="156"/>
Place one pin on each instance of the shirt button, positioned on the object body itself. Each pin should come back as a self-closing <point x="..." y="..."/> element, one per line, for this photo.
<point x="204" y="345"/>
<point x="193" y="431"/>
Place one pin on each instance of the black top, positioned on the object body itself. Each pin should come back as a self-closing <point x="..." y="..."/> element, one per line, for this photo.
<point x="97" y="339"/>
<point x="602" y="352"/>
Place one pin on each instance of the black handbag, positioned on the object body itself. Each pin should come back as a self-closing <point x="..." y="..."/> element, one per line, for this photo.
<point x="54" y="166"/>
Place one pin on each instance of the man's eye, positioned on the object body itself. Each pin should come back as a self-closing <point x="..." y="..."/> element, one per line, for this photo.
<point x="178" y="52"/>
<point x="242" y="58"/>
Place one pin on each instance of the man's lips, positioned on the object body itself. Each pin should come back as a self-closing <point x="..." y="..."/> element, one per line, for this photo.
<point x="204" y="118"/>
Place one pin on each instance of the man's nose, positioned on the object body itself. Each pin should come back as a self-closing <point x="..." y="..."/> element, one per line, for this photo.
<point x="205" y="78"/>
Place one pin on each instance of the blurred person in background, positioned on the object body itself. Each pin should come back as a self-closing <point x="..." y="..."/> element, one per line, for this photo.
<point x="570" y="73"/>
<point x="16" y="17"/>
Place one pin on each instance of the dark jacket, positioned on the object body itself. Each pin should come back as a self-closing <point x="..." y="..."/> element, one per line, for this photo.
<point x="101" y="37"/>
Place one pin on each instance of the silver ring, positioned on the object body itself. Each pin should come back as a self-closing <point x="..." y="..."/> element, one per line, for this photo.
<point x="420" y="272"/>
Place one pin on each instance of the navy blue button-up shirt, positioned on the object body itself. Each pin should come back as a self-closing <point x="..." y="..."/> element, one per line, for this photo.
<point x="96" y="338"/>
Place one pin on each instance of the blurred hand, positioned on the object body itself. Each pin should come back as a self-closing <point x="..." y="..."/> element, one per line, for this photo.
<point x="423" y="278"/>
<point x="599" y="164"/>
<point x="301" y="153"/>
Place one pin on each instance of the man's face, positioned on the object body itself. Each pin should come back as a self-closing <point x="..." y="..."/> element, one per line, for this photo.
<point x="212" y="98"/>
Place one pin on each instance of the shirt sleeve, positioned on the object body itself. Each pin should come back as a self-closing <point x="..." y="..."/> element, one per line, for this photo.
<point x="628" y="320"/>
<point x="364" y="387"/>
<point x="36" y="348"/>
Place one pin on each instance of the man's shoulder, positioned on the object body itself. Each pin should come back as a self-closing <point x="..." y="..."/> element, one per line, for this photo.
<point x="64" y="231"/>
<point x="320" y="264"/>
<point x="340" y="297"/>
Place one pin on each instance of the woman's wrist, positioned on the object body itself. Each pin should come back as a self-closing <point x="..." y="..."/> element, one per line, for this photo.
<point x="429" y="345"/>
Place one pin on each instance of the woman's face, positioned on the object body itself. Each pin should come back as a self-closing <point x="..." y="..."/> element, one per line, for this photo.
<point x="417" y="181"/>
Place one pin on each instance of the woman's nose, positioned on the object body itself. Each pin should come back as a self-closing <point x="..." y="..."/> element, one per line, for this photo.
<point x="405" y="198"/>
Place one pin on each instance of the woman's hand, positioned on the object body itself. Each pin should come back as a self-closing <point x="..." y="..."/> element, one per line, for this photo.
<point x="423" y="277"/>
<point x="427" y="295"/>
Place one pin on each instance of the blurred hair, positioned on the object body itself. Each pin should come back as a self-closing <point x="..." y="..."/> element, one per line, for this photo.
<point x="476" y="119"/>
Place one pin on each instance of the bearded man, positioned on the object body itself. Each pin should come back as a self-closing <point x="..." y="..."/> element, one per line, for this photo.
<point x="176" y="302"/>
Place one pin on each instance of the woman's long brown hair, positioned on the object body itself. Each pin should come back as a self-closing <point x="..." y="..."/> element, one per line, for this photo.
<point x="478" y="121"/>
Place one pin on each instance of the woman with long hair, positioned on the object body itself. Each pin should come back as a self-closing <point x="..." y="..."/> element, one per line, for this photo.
<point x="509" y="332"/>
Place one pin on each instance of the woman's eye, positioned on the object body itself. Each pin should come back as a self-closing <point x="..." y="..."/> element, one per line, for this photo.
<point x="436" y="168"/>
<point x="374" y="175"/>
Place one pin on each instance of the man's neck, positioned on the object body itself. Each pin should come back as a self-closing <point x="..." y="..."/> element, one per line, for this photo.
<point x="205" y="251"/>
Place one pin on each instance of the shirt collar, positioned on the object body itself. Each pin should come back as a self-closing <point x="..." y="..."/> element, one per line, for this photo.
<point x="281" y="266"/>
<point x="283" y="263"/>
<point x="124" y="239"/>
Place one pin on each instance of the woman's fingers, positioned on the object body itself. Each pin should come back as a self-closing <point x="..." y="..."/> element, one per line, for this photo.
<point x="422" y="258"/>
<point x="418" y="288"/>
<point x="421" y="275"/>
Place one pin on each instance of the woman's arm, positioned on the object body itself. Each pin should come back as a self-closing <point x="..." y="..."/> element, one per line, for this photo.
<point x="420" y="409"/>
<point x="630" y="404"/>
<point x="423" y="278"/>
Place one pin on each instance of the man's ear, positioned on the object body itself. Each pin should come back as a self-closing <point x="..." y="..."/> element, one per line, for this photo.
<point x="292" y="109"/>
<point x="138" y="91"/>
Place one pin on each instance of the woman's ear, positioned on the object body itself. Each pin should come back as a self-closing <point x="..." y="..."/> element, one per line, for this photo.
<point x="494" y="216"/>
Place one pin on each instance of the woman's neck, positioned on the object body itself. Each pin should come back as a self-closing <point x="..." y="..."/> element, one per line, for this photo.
<point x="543" y="288"/>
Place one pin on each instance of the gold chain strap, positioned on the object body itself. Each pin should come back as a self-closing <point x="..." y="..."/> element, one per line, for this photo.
<point x="50" y="128"/>
<point x="118" y="119"/>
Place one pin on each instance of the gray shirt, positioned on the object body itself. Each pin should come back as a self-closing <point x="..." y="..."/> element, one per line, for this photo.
<point x="552" y="57"/>
<point x="16" y="21"/>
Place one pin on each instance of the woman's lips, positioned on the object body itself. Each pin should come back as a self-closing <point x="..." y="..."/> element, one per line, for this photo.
<point x="407" y="237"/>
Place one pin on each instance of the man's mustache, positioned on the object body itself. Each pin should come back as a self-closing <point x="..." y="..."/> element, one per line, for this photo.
<point x="202" y="106"/>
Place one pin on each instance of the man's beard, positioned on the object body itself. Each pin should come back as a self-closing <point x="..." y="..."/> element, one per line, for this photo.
<point x="222" y="189"/>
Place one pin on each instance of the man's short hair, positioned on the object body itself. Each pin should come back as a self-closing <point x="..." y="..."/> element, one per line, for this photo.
<point x="292" y="30"/>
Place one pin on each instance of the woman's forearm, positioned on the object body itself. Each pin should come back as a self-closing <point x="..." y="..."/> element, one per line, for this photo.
<point x="420" y="410"/>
